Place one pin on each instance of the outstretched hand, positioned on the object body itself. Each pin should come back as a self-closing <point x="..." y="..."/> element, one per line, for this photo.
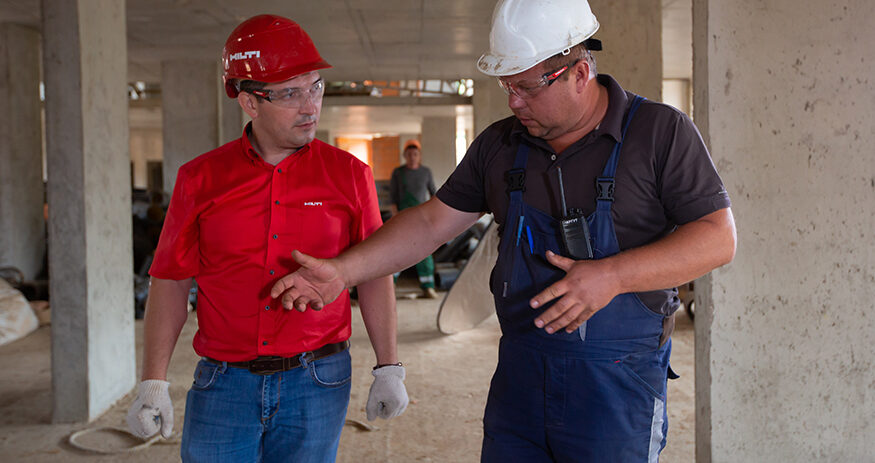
<point x="317" y="283"/>
<point x="584" y="290"/>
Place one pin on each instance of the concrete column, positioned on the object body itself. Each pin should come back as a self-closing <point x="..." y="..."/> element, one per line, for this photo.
<point x="85" y="62"/>
<point x="22" y="229"/>
<point x="784" y="361"/>
<point x="439" y="146"/>
<point x="489" y="102"/>
<point x="631" y="33"/>
<point x="189" y="100"/>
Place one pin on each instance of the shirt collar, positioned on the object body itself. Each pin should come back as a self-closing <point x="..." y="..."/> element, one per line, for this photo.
<point x="248" y="150"/>
<point x="610" y="125"/>
<point x="253" y="155"/>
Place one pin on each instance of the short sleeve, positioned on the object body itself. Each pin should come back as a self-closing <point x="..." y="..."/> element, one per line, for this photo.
<point x="464" y="190"/>
<point x="690" y="187"/>
<point x="177" y="254"/>
<point x="369" y="219"/>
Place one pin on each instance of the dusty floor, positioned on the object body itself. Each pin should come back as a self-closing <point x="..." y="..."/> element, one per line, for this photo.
<point x="447" y="380"/>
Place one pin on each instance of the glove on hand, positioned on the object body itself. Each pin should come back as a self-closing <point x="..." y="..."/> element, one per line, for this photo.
<point x="388" y="397"/>
<point x="151" y="409"/>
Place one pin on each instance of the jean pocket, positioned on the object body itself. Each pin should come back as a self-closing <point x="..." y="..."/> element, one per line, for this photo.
<point x="205" y="375"/>
<point x="648" y="376"/>
<point x="332" y="371"/>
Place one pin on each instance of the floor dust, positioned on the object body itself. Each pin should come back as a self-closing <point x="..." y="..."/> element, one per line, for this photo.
<point x="447" y="380"/>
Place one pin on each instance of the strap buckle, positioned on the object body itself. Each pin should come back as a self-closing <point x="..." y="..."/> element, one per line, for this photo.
<point x="605" y="188"/>
<point x="266" y="366"/>
<point x="516" y="180"/>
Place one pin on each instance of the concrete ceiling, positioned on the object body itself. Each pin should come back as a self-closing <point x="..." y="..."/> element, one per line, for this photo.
<point x="362" y="39"/>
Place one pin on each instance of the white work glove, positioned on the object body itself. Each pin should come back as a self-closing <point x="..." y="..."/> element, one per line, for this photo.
<point x="388" y="397"/>
<point x="152" y="410"/>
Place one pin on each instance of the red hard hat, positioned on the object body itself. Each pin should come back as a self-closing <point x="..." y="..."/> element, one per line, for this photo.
<point x="268" y="48"/>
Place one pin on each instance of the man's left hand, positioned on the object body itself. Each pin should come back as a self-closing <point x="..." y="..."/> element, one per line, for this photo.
<point x="583" y="291"/>
<point x="388" y="396"/>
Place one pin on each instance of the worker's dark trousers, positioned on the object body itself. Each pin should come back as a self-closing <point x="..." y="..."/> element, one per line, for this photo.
<point x="597" y="394"/>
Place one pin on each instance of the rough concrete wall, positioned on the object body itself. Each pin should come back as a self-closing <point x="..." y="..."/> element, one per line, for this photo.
<point x="785" y="361"/>
<point x="190" y="106"/>
<point x="439" y="147"/>
<point x="631" y="33"/>
<point x="22" y="228"/>
<point x="93" y="362"/>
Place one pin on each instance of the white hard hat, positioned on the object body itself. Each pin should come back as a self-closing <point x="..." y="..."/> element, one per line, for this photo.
<point x="526" y="32"/>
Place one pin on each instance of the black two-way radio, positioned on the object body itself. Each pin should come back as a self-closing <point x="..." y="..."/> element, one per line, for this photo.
<point x="575" y="231"/>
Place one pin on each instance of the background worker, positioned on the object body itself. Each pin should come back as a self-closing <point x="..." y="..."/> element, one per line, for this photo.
<point x="273" y="385"/>
<point x="584" y="355"/>
<point x="412" y="185"/>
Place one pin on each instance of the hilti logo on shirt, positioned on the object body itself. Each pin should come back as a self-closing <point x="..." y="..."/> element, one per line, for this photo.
<point x="313" y="203"/>
<point x="245" y="55"/>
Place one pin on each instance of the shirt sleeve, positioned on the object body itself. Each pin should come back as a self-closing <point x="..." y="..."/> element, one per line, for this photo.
<point x="465" y="189"/>
<point x="431" y="188"/>
<point x="690" y="186"/>
<point x="369" y="218"/>
<point x="177" y="254"/>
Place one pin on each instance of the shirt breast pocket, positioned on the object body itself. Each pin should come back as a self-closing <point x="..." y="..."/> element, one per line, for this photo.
<point x="324" y="231"/>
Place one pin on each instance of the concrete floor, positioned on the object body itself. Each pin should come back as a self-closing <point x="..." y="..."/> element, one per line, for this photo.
<point x="447" y="380"/>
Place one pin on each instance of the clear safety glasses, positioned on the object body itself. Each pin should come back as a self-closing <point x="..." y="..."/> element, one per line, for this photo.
<point x="530" y="89"/>
<point x="294" y="97"/>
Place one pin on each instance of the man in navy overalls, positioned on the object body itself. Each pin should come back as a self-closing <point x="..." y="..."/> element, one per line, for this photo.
<point x="584" y="354"/>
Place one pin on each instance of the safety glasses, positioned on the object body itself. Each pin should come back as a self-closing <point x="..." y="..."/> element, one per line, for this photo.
<point x="530" y="89"/>
<point x="293" y="97"/>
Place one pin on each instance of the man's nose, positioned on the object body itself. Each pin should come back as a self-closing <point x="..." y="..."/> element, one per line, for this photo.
<point x="515" y="102"/>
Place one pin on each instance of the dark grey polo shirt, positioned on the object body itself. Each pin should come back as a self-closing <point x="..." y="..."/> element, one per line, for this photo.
<point x="665" y="176"/>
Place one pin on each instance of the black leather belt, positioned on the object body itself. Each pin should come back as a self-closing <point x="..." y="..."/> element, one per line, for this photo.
<point x="270" y="365"/>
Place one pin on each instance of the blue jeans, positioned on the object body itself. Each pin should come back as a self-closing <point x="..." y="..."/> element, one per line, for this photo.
<point x="232" y="415"/>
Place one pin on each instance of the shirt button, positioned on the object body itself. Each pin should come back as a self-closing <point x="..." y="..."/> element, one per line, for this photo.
<point x="274" y="237"/>
<point x="272" y="272"/>
<point x="277" y="203"/>
<point x="279" y="170"/>
<point x="267" y="307"/>
<point x="553" y="157"/>
<point x="263" y="343"/>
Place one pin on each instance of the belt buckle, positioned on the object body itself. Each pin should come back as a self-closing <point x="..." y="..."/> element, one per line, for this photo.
<point x="263" y="366"/>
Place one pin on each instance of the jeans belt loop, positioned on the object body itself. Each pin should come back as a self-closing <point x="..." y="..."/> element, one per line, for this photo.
<point x="306" y="358"/>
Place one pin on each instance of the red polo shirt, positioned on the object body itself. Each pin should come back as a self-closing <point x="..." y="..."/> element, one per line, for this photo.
<point x="232" y="224"/>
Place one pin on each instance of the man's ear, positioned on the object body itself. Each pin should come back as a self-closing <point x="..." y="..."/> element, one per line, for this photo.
<point x="581" y="73"/>
<point x="248" y="103"/>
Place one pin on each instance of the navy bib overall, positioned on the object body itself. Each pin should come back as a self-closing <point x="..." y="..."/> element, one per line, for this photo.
<point x="594" y="395"/>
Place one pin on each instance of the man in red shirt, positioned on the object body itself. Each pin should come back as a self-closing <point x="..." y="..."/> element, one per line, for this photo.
<point x="273" y="385"/>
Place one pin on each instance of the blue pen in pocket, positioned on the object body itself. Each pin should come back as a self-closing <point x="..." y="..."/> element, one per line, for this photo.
<point x="531" y="245"/>
<point x="519" y="230"/>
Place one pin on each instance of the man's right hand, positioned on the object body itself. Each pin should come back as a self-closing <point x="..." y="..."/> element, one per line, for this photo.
<point x="152" y="410"/>
<point x="317" y="283"/>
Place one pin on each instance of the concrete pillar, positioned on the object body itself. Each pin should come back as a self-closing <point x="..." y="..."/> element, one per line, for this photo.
<point x="631" y="33"/>
<point x="785" y="368"/>
<point x="22" y="229"/>
<point x="85" y="62"/>
<point x="189" y="100"/>
<point x="439" y="146"/>
<point x="489" y="102"/>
